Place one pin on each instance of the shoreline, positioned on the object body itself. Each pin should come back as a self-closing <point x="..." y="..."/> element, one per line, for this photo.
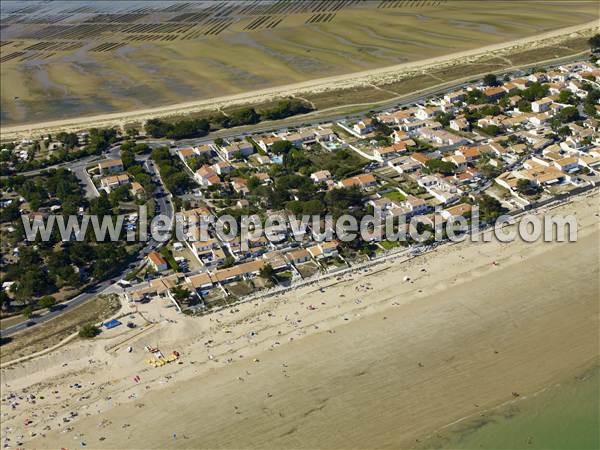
<point x="219" y="349"/>
<point x="470" y="431"/>
<point x="366" y="77"/>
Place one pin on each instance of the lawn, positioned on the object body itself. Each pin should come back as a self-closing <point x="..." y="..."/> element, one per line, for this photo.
<point x="389" y="245"/>
<point x="283" y="277"/>
<point x="341" y="164"/>
<point x="395" y="196"/>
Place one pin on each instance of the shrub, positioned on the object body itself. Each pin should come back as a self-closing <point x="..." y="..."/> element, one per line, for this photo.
<point x="89" y="331"/>
<point x="47" y="302"/>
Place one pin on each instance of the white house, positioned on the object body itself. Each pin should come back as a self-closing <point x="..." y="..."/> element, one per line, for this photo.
<point x="321" y="176"/>
<point x="157" y="261"/>
<point x="425" y="112"/>
<point x="364" y="127"/>
<point x="113" y="181"/>
<point x="541" y="105"/>
<point x="266" y="142"/>
<point x="110" y="166"/>
<point x="302" y="138"/>
<point x="232" y="150"/>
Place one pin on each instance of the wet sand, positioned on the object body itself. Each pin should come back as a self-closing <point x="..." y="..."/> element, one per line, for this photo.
<point x="564" y="416"/>
<point x="389" y="376"/>
<point x="382" y="75"/>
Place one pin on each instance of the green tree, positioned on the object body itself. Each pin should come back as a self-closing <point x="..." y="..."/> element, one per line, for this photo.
<point x="197" y="161"/>
<point x="128" y="158"/>
<point x="491" y="130"/>
<point x="101" y="206"/>
<point x="220" y="120"/>
<point x="535" y="91"/>
<point x="524" y="105"/>
<point x="180" y="294"/>
<point x="267" y="272"/>
<point x="594" y="42"/>
<point x="4" y="300"/>
<point x="489" y="207"/>
<point x="69" y="140"/>
<point x="591" y="101"/>
<point x="127" y="145"/>
<point x="253" y="183"/>
<point x="286" y="108"/>
<point x="566" y="115"/>
<point x="444" y="118"/>
<point x="32" y="281"/>
<point x="141" y="148"/>
<point x="491" y="80"/>
<point x="119" y="194"/>
<point x="564" y="131"/>
<point x="525" y="187"/>
<point x="100" y="139"/>
<point x="47" y="302"/>
<point x="566" y="96"/>
<point x="89" y="331"/>
<point x="27" y="312"/>
<point x="132" y="132"/>
<point x="443" y="167"/>
<point x="10" y="212"/>
<point x="281" y="147"/>
<point x="244" y="116"/>
<point x="475" y="96"/>
<point x="182" y="129"/>
<point x="487" y="170"/>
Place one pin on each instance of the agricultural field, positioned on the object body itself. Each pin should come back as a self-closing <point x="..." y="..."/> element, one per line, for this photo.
<point x="61" y="59"/>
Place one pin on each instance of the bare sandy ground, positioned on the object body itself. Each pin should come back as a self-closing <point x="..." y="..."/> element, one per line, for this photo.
<point x="369" y="77"/>
<point x="373" y="361"/>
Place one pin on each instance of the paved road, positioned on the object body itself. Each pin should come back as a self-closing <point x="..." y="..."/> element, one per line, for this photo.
<point x="108" y="286"/>
<point x="65" y="306"/>
<point x="335" y="117"/>
<point x="87" y="183"/>
<point x="164" y="203"/>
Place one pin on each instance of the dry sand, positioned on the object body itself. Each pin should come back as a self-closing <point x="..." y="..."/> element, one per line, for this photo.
<point x="380" y="362"/>
<point x="364" y="78"/>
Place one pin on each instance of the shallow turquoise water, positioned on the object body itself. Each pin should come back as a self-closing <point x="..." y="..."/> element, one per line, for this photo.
<point x="566" y="416"/>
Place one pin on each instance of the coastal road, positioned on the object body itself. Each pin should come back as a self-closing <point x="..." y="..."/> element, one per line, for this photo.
<point x="165" y="207"/>
<point x="164" y="202"/>
<point x="83" y="162"/>
<point x="104" y="287"/>
<point x="404" y="100"/>
<point x="266" y="94"/>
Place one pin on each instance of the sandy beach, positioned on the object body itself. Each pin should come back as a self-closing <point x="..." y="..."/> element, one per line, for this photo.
<point x="367" y="361"/>
<point x="378" y="76"/>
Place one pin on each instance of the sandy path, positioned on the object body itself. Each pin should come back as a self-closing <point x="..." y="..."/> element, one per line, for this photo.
<point x="479" y="331"/>
<point x="373" y="76"/>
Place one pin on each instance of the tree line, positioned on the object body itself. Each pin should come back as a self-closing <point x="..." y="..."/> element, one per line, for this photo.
<point x="198" y="127"/>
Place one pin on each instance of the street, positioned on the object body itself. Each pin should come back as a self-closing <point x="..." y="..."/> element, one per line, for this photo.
<point x="165" y="207"/>
<point x="164" y="202"/>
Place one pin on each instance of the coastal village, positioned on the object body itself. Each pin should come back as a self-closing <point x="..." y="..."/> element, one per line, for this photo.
<point x="502" y="143"/>
<point x="516" y="141"/>
<point x="299" y="224"/>
<point x="138" y="308"/>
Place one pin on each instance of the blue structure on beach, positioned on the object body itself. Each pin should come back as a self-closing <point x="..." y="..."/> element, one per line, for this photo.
<point x="111" y="324"/>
